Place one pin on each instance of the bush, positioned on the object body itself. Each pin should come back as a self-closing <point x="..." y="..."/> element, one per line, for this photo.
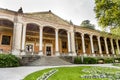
<point x="77" y="60"/>
<point x="89" y="60"/>
<point x="8" y="60"/>
<point x="108" y="60"/>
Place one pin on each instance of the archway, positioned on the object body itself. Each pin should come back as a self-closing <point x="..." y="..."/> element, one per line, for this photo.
<point x="48" y="41"/>
<point x="95" y="45"/>
<point x="32" y="39"/>
<point x="78" y="43"/>
<point x="115" y="46"/>
<point x="102" y="45"/>
<point x="63" y="41"/>
<point x="109" y="46"/>
<point x="87" y="44"/>
<point x="6" y="34"/>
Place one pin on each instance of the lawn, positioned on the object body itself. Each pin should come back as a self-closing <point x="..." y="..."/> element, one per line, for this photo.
<point x="78" y="73"/>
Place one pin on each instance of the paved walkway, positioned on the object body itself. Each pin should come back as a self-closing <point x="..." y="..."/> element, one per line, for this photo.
<point x="18" y="73"/>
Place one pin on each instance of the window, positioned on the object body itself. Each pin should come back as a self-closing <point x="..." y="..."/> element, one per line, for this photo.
<point x="6" y="40"/>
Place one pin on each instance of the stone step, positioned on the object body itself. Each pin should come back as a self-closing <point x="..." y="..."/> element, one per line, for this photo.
<point x="49" y="61"/>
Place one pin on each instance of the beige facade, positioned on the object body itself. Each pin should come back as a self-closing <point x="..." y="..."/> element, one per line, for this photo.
<point x="46" y="34"/>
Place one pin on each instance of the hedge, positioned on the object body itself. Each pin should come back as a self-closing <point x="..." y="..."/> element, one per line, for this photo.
<point x="94" y="60"/>
<point x="9" y="60"/>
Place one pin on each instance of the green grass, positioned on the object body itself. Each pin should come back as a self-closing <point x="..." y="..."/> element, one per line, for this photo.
<point x="72" y="73"/>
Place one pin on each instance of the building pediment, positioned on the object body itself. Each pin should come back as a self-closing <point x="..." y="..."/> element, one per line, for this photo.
<point x="47" y="16"/>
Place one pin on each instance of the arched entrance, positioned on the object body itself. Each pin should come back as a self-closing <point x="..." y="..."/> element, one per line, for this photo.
<point x="78" y="43"/>
<point x="63" y="41"/>
<point x="6" y="35"/>
<point x="32" y="39"/>
<point x="87" y="44"/>
<point x="95" y="45"/>
<point x="48" y="41"/>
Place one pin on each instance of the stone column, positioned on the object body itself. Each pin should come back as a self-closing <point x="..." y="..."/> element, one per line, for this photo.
<point x="118" y="48"/>
<point x="111" y="41"/>
<point x="23" y="39"/>
<point x="73" y="44"/>
<point x="106" y="45"/>
<point x="83" y="44"/>
<point x="56" y="43"/>
<point x="41" y="41"/>
<point x="69" y="47"/>
<point x="99" y="45"/>
<point x="91" y="41"/>
<point x="17" y="34"/>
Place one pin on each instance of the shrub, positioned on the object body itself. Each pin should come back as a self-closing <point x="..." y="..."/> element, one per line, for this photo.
<point x="77" y="60"/>
<point x="108" y="60"/>
<point x="89" y="60"/>
<point x="8" y="60"/>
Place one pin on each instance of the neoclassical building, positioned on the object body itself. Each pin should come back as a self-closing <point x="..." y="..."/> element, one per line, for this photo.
<point x="46" y="34"/>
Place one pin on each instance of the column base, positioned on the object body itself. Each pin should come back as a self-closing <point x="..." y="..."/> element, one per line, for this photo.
<point x="57" y="54"/>
<point x="16" y="52"/>
<point x="93" y="55"/>
<point x="85" y="55"/>
<point x="40" y="53"/>
<point x="74" y="54"/>
<point x="23" y="53"/>
<point x="108" y="55"/>
<point x="101" y="55"/>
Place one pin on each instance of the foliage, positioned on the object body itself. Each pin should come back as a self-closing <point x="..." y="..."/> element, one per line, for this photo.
<point x="89" y="60"/>
<point x="108" y="60"/>
<point x="72" y="73"/>
<point x="77" y="60"/>
<point x="116" y="31"/>
<point x="8" y="60"/>
<point x="108" y="12"/>
<point x="87" y="24"/>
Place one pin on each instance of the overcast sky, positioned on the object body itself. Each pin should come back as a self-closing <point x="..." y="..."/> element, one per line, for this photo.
<point x="75" y="10"/>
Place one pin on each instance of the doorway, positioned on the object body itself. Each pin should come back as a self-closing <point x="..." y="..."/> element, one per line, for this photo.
<point x="29" y="47"/>
<point x="48" y="50"/>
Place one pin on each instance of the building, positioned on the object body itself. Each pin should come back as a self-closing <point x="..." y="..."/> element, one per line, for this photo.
<point x="44" y="33"/>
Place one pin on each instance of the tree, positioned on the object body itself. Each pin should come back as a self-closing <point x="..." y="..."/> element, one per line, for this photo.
<point x="108" y="12"/>
<point x="87" y="24"/>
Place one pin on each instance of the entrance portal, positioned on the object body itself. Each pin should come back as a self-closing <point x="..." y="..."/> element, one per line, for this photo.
<point x="29" y="48"/>
<point x="48" y="50"/>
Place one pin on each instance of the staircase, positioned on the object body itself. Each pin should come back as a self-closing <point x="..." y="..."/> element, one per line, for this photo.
<point x="49" y="61"/>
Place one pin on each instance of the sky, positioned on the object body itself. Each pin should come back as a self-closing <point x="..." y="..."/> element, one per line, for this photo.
<point x="74" y="10"/>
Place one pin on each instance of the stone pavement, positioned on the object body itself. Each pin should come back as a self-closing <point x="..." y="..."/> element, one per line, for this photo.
<point x="18" y="73"/>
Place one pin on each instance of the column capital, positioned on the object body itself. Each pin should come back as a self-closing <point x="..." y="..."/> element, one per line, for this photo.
<point x="82" y="34"/>
<point x="56" y="30"/>
<point x="41" y="27"/>
<point x="91" y="35"/>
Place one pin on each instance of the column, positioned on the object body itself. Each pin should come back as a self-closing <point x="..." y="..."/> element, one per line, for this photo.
<point x="73" y="44"/>
<point x="91" y="41"/>
<point x="56" y="43"/>
<point x="83" y="44"/>
<point x="41" y="41"/>
<point x="69" y="47"/>
<point x="17" y="34"/>
<point x="106" y="45"/>
<point x="99" y="45"/>
<point x="23" y="39"/>
<point x="118" y="48"/>
<point x="111" y="41"/>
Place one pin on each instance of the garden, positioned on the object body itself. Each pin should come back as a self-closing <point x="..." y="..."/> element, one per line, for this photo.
<point x="76" y="73"/>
